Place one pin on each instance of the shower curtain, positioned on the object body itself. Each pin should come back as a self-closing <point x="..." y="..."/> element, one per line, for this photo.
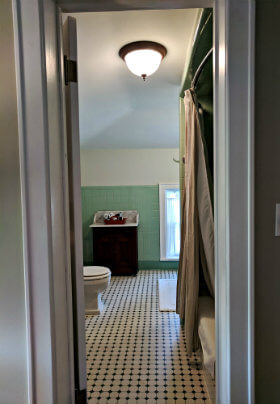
<point x="197" y="226"/>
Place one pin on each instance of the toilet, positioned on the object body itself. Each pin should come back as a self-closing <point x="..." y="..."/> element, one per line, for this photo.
<point x="96" y="280"/>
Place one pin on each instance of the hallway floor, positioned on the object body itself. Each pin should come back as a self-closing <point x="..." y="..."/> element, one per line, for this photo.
<point x="135" y="353"/>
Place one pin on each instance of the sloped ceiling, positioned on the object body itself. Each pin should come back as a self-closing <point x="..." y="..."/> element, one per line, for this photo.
<point x="118" y="109"/>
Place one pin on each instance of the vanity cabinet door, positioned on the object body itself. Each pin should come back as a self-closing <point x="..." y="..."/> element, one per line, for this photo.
<point x="126" y="252"/>
<point x="117" y="249"/>
<point x="103" y="249"/>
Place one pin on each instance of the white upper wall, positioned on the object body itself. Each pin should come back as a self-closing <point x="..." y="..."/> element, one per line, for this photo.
<point x="118" y="109"/>
<point x="129" y="167"/>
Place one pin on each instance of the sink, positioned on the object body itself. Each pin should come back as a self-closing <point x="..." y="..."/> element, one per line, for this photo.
<point x="132" y="217"/>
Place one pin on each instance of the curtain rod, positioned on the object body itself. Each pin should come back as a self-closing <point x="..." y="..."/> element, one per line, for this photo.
<point x="200" y="67"/>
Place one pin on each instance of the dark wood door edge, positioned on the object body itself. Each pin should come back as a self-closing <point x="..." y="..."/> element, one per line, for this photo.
<point x="81" y="397"/>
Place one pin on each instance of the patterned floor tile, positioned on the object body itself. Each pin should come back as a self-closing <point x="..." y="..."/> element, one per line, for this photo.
<point x="137" y="354"/>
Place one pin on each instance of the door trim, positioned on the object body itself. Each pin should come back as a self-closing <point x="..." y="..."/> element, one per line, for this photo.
<point x="42" y="312"/>
<point x="71" y="133"/>
<point x="234" y="199"/>
<point x="234" y="176"/>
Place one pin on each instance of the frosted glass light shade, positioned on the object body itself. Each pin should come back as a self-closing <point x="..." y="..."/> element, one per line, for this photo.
<point x="143" y="62"/>
<point x="143" y="57"/>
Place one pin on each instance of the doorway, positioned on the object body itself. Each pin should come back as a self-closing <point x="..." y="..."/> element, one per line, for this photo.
<point x="225" y="96"/>
<point x="129" y="134"/>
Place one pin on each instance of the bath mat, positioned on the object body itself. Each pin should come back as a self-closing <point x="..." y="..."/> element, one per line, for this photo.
<point x="167" y="294"/>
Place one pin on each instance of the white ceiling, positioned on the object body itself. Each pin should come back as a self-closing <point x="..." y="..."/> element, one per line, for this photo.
<point x="118" y="109"/>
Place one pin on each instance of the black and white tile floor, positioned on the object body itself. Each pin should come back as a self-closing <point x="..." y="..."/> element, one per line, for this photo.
<point x="135" y="353"/>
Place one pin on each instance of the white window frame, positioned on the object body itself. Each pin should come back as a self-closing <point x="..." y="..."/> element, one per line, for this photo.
<point x="162" y="222"/>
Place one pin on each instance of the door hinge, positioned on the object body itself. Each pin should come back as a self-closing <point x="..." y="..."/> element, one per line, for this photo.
<point x="80" y="396"/>
<point x="70" y="71"/>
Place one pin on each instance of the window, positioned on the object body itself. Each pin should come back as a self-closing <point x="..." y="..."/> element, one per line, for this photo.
<point x="169" y="197"/>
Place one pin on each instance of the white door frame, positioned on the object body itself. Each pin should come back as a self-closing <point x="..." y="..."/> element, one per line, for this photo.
<point x="234" y="179"/>
<point x="47" y="283"/>
<point x="234" y="199"/>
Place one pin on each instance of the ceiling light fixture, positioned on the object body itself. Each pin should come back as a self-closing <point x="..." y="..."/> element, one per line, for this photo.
<point x="143" y="57"/>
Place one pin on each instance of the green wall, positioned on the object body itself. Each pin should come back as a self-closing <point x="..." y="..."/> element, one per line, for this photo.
<point x="204" y="91"/>
<point x="144" y="199"/>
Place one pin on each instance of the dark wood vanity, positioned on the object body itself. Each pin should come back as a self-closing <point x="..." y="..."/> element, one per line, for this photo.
<point x="115" y="245"/>
<point x="116" y="248"/>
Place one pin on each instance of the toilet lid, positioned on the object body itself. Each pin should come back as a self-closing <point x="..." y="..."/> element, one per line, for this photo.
<point x="96" y="272"/>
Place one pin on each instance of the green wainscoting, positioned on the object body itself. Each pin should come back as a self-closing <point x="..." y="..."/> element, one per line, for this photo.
<point x="144" y="199"/>
<point x="204" y="92"/>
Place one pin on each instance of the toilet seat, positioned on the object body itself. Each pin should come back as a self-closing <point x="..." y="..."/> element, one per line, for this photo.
<point x="96" y="272"/>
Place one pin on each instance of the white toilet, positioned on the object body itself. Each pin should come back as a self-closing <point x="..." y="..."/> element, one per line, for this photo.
<point x="96" y="280"/>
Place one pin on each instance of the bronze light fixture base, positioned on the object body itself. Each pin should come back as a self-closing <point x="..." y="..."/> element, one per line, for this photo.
<point x="138" y="45"/>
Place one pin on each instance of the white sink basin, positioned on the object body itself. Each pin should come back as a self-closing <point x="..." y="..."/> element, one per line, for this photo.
<point x="132" y="217"/>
